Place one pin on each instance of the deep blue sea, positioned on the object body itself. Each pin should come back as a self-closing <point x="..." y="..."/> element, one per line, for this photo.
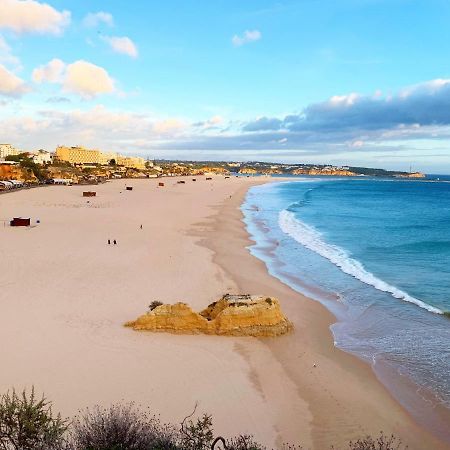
<point x="376" y="252"/>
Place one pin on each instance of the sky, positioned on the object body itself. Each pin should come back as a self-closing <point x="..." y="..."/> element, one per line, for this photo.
<point x="346" y="82"/>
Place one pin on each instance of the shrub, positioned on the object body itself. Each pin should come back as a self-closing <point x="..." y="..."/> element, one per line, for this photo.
<point x="28" y="423"/>
<point x="244" y="442"/>
<point x="381" y="443"/>
<point x="196" y="435"/>
<point x="121" y="427"/>
<point x="154" y="304"/>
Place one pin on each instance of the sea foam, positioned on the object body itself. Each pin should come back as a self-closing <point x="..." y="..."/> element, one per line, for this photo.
<point x="313" y="240"/>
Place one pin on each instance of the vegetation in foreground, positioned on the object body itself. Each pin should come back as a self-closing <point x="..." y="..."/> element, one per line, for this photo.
<point x="28" y="423"/>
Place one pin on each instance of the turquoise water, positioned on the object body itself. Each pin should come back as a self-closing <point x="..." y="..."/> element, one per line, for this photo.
<point x="377" y="254"/>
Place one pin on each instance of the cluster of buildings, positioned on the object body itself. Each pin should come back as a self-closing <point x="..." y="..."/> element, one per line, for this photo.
<point x="83" y="156"/>
<point x="39" y="156"/>
<point x="77" y="156"/>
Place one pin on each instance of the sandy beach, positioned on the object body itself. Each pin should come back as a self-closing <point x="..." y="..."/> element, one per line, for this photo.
<point x="65" y="295"/>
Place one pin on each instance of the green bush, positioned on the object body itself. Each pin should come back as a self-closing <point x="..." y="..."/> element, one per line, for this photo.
<point x="28" y="423"/>
<point x="154" y="304"/>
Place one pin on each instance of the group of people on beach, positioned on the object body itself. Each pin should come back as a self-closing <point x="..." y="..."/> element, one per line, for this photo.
<point x="115" y="242"/>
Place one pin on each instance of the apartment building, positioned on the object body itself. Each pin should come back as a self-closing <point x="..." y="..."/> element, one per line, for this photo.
<point x="8" y="150"/>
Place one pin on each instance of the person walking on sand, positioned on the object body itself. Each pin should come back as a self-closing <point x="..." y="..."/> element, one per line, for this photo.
<point x="115" y="242"/>
<point x="109" y="241"/>
<point x="141" y="227"/>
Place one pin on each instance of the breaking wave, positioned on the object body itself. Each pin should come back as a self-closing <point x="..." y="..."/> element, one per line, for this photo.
<point x="312" y="239"/>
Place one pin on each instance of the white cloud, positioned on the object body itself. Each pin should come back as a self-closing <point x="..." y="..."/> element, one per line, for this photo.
<point x="246" y="37"/>
<point x="31" y="16"/>
<point x="212" y="122"/>
<point x="10" y="84"/>
<point x="428" y="87"/>
<point x="81" y="77"/>
<point x="51" y="72"/>
<point x="97" y="127"/>
<point x="169" y="126"/>
<point x="344" y="100"/>
<point x="87" y="79"/>
<point x="357" y="144"/>
<point x="122" y="45"/>
<point x="215" y="120"/>
<point x="93" y="20"/>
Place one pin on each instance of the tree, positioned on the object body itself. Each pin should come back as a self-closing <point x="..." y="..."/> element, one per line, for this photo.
<point x="28" y="423"/>
<point x="27" y="163"/>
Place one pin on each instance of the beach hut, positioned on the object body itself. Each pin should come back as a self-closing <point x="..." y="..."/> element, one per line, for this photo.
<point x="129" y="188"/>
<point x="20" y="222"/>
<point x="89" y="194"/>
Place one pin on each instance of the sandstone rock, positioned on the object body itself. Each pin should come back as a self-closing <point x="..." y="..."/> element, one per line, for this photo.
<point x="15" y="172"/>
<point x="233" y="315"/>
<point x="324" y="171"/>
<point x="248" y="170"/>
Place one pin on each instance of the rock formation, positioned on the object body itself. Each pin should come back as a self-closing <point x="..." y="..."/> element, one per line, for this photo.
<point x="232" y="315"/>
<point x="15" y="172"/>
<point x="248" y="170"/>
<point x="412" y="175"/>
<point x="324" y="171"/>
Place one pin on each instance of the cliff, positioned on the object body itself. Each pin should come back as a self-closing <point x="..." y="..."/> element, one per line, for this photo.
<point x="232" y="315"/>
<point x="210" y="170"/>
<point x="412" y="175"/>
<point x="248" y="170"/>
<point x="324" y="171"/>
<point x="15" y="172"/>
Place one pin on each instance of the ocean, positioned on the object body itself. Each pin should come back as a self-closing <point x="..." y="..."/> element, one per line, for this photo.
<point x="376" y="252"/>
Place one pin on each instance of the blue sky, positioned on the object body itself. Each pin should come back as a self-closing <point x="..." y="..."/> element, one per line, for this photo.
<point x="363" y="82"/>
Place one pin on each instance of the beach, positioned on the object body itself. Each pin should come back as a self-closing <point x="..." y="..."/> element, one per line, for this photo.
<point x="66" y="293"/>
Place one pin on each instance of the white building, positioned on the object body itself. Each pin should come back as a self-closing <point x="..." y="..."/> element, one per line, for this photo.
<point x="42" y="157"/>
<point x="7" y="150"/>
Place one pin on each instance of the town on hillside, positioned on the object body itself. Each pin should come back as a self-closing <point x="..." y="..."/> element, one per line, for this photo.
<point x="79" y="165"/>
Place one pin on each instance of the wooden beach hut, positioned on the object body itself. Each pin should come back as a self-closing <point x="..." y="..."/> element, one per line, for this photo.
<point x="20" y="222"/>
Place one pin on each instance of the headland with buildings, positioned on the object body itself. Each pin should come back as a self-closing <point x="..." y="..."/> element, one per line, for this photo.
<point x="80" y="165"/>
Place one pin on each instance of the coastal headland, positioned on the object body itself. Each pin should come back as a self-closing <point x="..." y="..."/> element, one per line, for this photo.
<point x="66" y="292"/>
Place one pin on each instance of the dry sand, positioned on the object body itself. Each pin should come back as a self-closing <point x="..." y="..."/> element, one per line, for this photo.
<point x="65" y="293"/>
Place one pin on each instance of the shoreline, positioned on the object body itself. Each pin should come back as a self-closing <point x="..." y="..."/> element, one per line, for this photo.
<point x="367" y="402"/>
